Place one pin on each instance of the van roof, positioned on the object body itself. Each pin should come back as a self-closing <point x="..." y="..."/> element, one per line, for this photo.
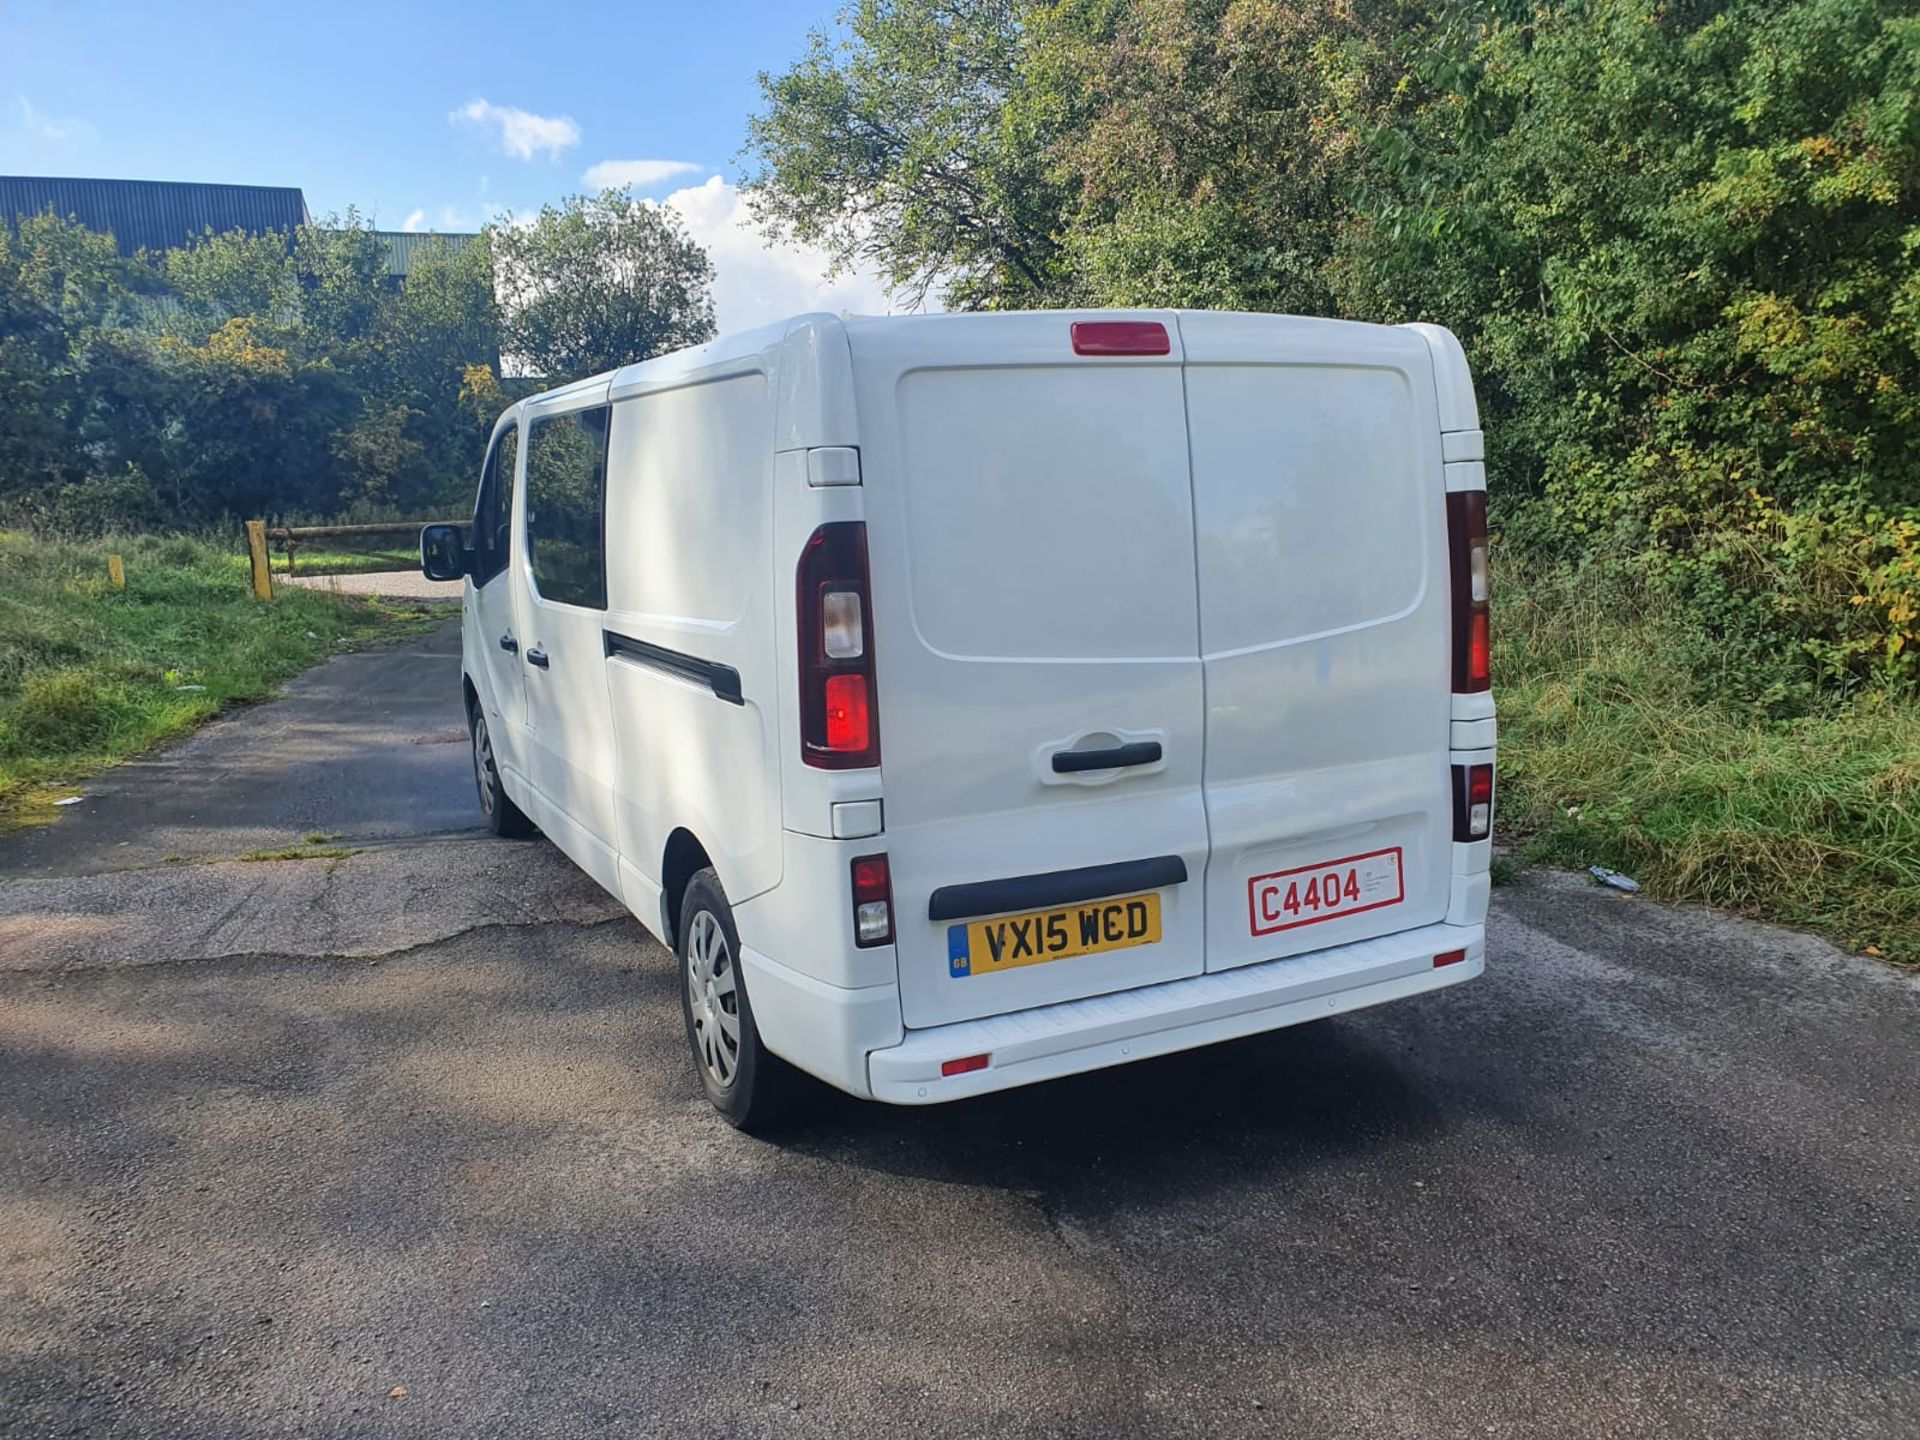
<point x="1452" y="379"/>
<point x="737" y="344"/>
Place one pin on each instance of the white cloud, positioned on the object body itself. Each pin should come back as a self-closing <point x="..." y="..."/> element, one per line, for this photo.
<point x="43" y="126"/>
<point x="521" y="133"/>
<point x="641" y="174"/>
<point x="756" y="281"/>
<point x="453" y="219"/>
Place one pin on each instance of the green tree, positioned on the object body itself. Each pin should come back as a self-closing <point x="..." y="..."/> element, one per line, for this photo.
<point x="443" y="324"/>
<point x="1680" y="243"/>
<point x="43" y="342"/>
<point x="221" y="276"/>
<point x="341" y="266"/>
<point x="599" y="282"/>
<point x="271" y="376"/>
<point x="1219" y="146"/>
<point x="913" y="140"/>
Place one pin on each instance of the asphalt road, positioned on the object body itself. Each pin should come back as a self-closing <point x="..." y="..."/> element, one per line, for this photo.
<point x="1655" y="1174"/>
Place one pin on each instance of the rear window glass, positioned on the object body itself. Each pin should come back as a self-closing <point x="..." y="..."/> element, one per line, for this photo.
<point x="1313" y="487"/>
<point x="1049" y="511"/>
<point x="566" y="504"/>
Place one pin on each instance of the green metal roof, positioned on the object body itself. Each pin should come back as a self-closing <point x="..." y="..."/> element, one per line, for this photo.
<point x="154" y="214"/>
<point x="403" y="245"/>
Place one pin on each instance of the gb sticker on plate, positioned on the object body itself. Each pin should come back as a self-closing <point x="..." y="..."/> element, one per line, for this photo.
<point x="1325" y="890"/>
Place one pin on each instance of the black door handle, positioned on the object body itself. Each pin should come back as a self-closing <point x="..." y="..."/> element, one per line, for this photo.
<point x="538" y="658"/>
<point x="1072" y="762"/>
<point x="509" y="644"/>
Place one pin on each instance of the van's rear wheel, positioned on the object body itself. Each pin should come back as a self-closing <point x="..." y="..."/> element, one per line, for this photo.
<point x="503" y="817"/>
<point x="746" y="1083"/>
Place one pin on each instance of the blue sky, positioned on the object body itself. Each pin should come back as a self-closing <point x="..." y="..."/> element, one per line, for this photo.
<point x="437" y="115"/>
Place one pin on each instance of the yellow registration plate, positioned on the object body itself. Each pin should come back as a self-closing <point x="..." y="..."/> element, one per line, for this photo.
<point x="985" y="947"/>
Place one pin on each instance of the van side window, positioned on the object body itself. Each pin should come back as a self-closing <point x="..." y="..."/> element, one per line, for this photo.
<point x="493" y="512"/>
<point x="566" y="500"/>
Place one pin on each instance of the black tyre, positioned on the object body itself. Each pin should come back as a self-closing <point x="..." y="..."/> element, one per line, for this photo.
<point x="747" y="1083"/>
<point x="503" y="817"/>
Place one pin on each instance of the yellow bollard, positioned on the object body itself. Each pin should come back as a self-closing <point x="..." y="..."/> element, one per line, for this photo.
<point x="257" y="549"/>
<point x="116" y="572"/>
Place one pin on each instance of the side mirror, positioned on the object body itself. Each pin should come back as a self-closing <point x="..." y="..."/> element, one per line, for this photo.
<point x="443" y="552"/>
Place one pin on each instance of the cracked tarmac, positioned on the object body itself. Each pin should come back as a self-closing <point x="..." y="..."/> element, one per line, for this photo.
<point x="280" y="1137"/>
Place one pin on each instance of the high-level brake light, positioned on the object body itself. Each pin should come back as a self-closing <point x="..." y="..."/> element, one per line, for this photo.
<point x="1120" y="337"/>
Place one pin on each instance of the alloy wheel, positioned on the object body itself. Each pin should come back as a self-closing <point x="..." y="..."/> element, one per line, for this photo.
<point x="713" y="997"/>
<point x="484" y="774"/>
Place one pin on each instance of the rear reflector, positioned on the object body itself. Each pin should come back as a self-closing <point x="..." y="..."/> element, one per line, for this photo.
<point x="1472" y="802"/>
<point x="872" y="901"/>
<point x="962" y="1067"/>
<point x="1467" y="537"/>
<point x="1449" y="957"/>
<point x="1120" y="337"/>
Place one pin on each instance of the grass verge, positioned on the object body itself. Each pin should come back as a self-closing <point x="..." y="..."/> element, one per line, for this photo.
<point x="342" y="562"/>
<point x="90" y="674"/>
<point x="1610" y="756"/>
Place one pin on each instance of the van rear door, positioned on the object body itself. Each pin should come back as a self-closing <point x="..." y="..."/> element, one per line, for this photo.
<point x="1321" y="543"/>
<point x="1030" y="540"/>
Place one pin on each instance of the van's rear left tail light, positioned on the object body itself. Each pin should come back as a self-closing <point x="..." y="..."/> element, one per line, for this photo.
<point x="839" y="715"/>
<point x="1472" y="630"/>
<point x="872" y="901"/>
<point x="1472" y="802"/>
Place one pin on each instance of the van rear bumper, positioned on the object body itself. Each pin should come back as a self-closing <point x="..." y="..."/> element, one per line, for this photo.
<point x="1054" y="1040"/>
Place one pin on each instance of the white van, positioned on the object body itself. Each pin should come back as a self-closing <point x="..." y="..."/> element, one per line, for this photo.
<point x="972" y="700"/>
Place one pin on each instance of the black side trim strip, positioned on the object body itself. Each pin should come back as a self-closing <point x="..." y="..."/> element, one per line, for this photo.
<point x="723" y="680"/>
<point x="1056" y="887"/>
<point x="1139" y="752"/>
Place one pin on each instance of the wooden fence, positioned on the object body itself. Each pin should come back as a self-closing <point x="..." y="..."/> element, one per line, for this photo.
<point x="291" y="538"/>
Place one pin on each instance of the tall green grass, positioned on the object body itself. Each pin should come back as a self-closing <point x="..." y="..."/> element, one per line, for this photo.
<point x="1612" y="754"/>
<point x="90" y="674"/>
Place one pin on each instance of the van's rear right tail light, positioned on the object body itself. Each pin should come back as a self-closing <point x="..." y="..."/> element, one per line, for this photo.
<point x="839" y="716"/>
<point x="872" y="901"/>
<point x="1472" y="802"/>
<point x="1472" y="631"/>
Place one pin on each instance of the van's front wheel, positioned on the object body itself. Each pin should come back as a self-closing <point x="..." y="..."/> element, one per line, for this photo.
<point x="746" y="1083"/>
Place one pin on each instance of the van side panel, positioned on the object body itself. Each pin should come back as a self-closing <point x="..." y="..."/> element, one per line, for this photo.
<point x="691" y="672"/>
<point x="1319" y="515"/>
